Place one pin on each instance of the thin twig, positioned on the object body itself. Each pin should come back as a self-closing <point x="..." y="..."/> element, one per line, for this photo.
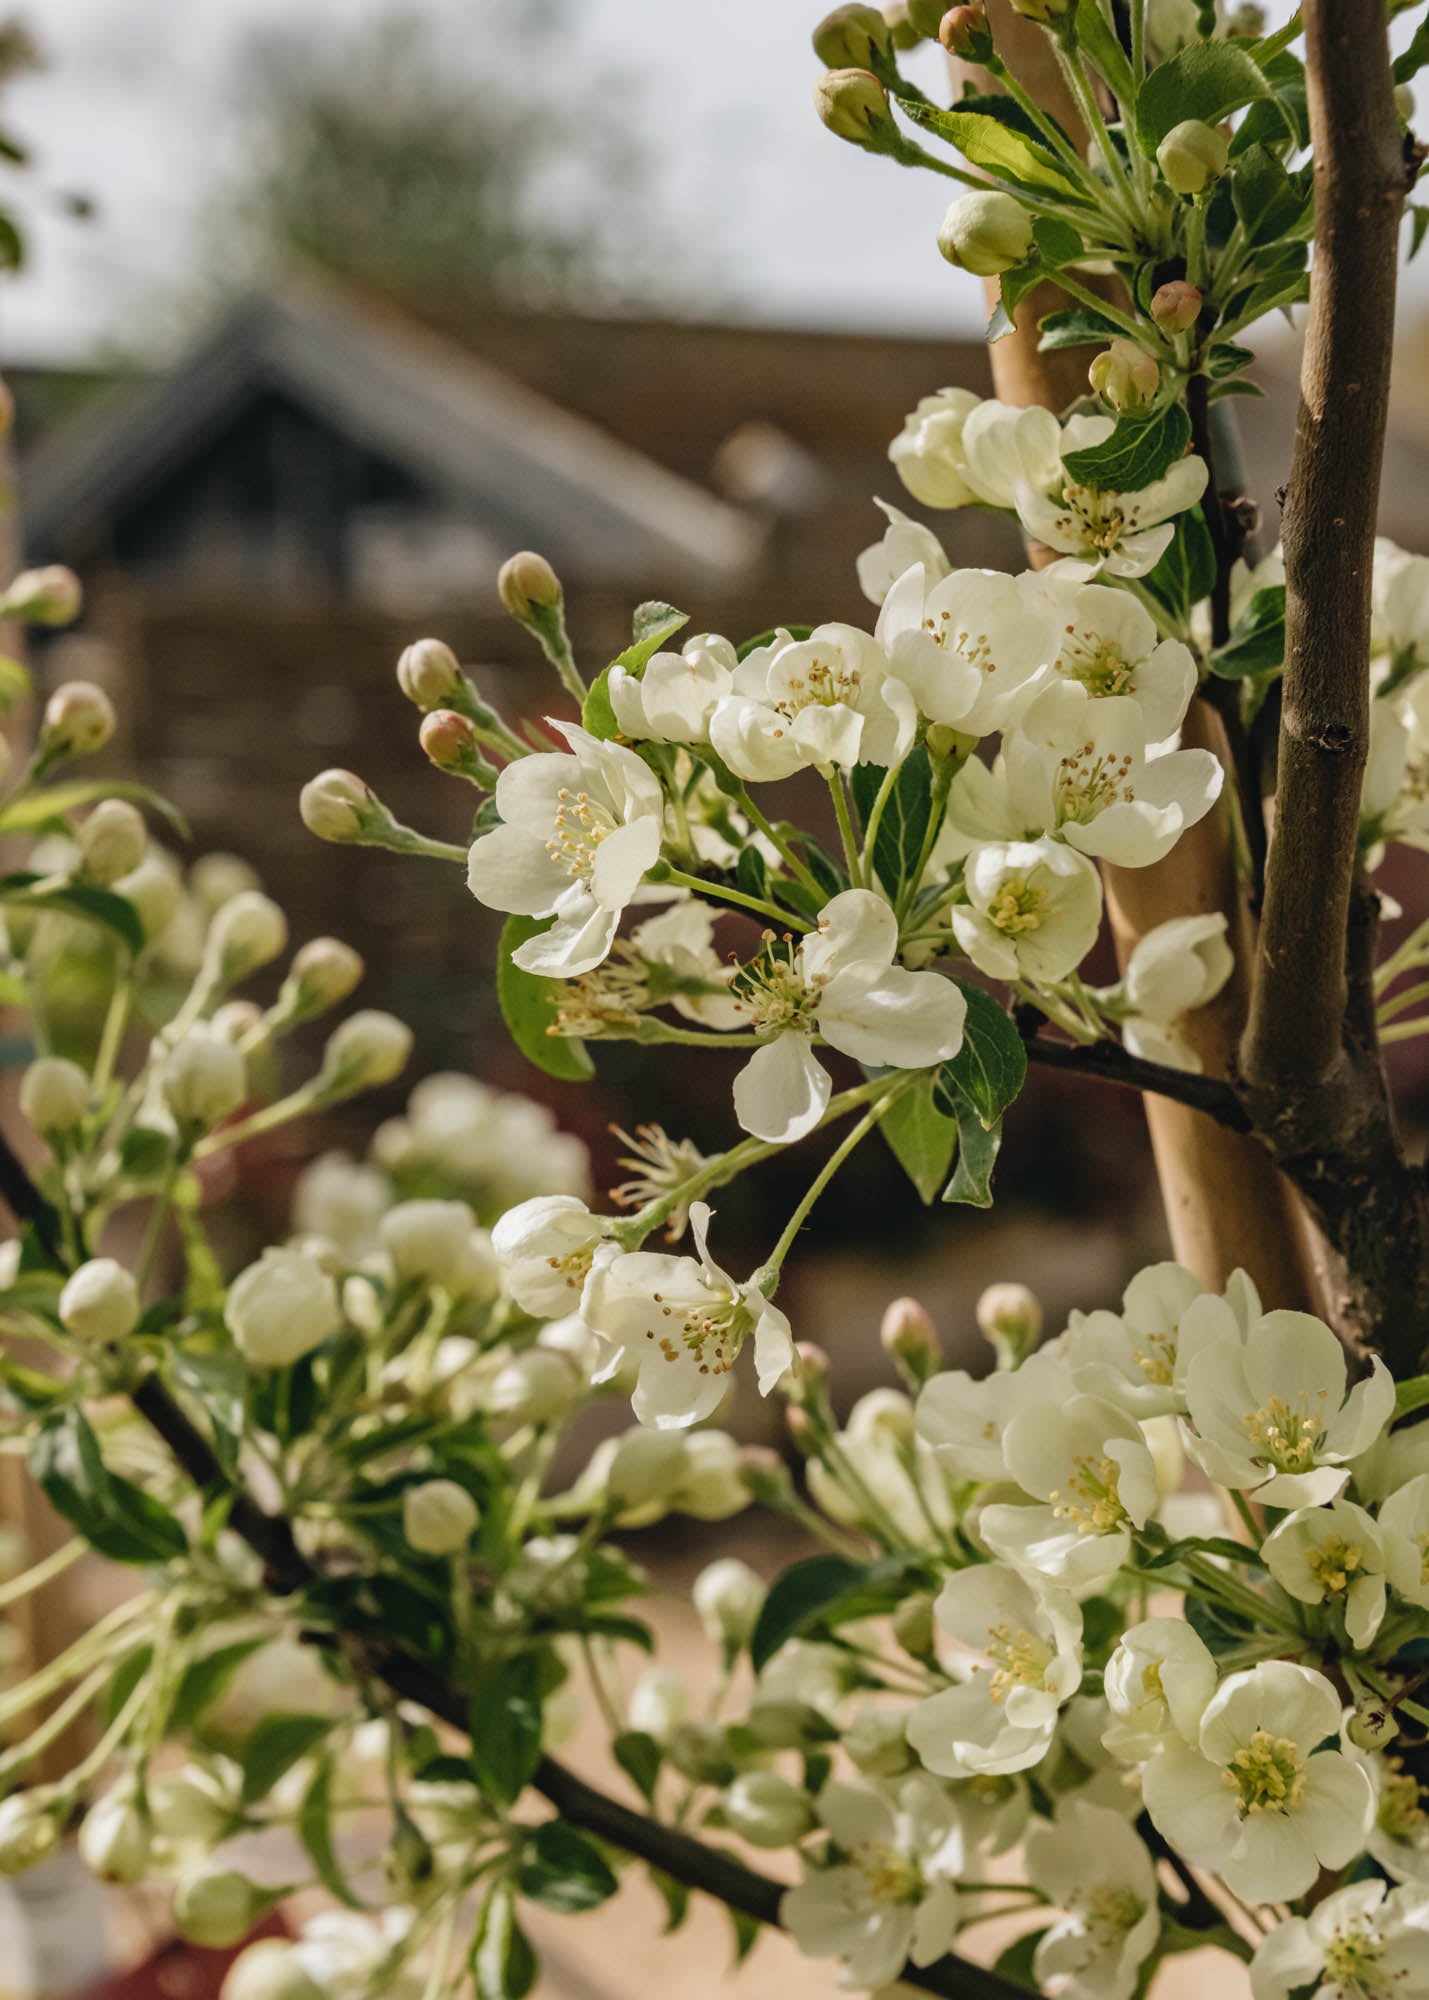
<point x="1111" y="1063"/>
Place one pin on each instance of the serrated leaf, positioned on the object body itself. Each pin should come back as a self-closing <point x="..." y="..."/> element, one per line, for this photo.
<point x="1204" y="80"/>
<point x="922" y="1139"/>
<point x="988" y="143"/>
<point x="991" y="1066"/>
<point x="562" y="1869"/>
<point x="1186" y="574"/>
<point x="506" y="1728"/>
<point x="1257" y="645"/>
<point x="1057" y="242"/>
<point x="903" y="827"/>
<point x="528" y="1007"/>
<point x="978" y="1148"/>
<point x="1140" y="450"/>
<point x="655" y="625"/>
<point x="1077" y="326"/>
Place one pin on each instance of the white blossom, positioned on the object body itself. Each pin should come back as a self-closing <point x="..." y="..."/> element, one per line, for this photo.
<point x="971" y="646"/>
<point x="1090" y="1864"/>
<point x="1089" y="1464"/>
<point x="1361" y="1943"/>
<point x="1175" y="968"/>
<point x="684" y="1320"/>
<point x="1109" y="645"/>
<point x="281" y="1307"/>
<point x="678" y="946"/>
<point x="1157" y="1683"/>
<point x="1116" y="534"/>
<point x="1256" y="1800"/>
<point x="1403" y="1527"/>
<point x="1026" y="1641"/>
<point x="903" y="543"/>
<point x="1138" y="1357"/>
<point x="962" y="1420"/>
<point x="1033" y="911"/>
<point x="672" y="700"/>
<point x="891" y="1896"/>
<point x="830" y="699"/>
<point x="545" y="1247"/>
<point x="1332" y="1554"/>
<point x="841" y="983"/>
<point x="578" y="833"/>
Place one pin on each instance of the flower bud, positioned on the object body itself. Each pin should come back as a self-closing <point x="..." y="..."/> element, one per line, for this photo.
<point x="30" y="1827"/>
<point x="927" y="17"/>
<point x="788" y="1725"/>
<point x="700" y="1752"/>
<point x="646" y="1467"/>
<point x="115" y="1840"/>
<point x="217" y="1908"/>
<point x="1192" y="155"/>
<point x="1047" y="12"/>
<point x="908" y="1336"/>
<point x="913" y="1625"/>
<point x="79" y="719"/>
<point x="532" y="1388"/>
<point x="337" y="805"/>
<point x="711" y="1486"/>
<point x="851" y="36"/>
<point x="248" y="932"/>
<point x="900" y="28"/>
<point x="428" y="1241"/>
<point x="854" y="106"/>
<point x="1125" y="376"/>
<point x="281" y="1307"/>
<point x="50" y="596"/>
<point x="1404" y="102"/>
<point x="1176" y="306"/>
<point x="323" y="972"/>
<point x="100" y="1302"/>
<point x="1372" y="1727"/>
<point x="54" y="1095"/>
<point x="729" y="1597"/>
<point x="875" y="1741"/>
<point x="986" y="233"/>
<point x="429" y="674"/>
<point x="112" y="841"/>
<point x="964" y="31"/>
<point x="767" y="1810"/>
<point x="808" y="1378"/>
<point x="766" y="1477"/>
<point x="438" y="1518"/>
<point x="217" y="877"/>
<point x="659" y="1703"/>
<point x="191" y="1809"/>
<point x="803" y="1432"/>
<point x="269" y="1970"/>
<point x="450" y="742"/>
<point x="1009" y="1317"/>
<point x="527" y="586"/>
<point x="367" y="1050"/>
<point x="153" y="888"/>
<point x="204" y="1080"/>
<point x="235" y="1020"/>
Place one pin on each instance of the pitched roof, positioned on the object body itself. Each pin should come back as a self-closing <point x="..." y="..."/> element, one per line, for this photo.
<point x="465" y="426"/>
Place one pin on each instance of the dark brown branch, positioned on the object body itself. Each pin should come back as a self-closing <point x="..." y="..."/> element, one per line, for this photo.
<point x="25" y="1202"/>
<point x="1294" y="1039"/>
<point x="1113" y="1064"/>
<point x="666" y="1848"/>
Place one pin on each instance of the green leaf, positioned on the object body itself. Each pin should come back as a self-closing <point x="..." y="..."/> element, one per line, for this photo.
<point x="506" y="1728"/>
<point x="923" y="1140"/>
<point x="1186" y="574"/>
<point x="1257" y="645"/>
<point x="75" y="899"/>
<point x="640" y="1757"/>
<point x="116" y="1517"/>
<point x="989" y="143"/>
<point x="991" y="1066"/>
<point x="1267" y="202"/>
<point x="563" y="1870"/>
<point x="206" y="1680"/>
<point x="898" y="843"/>
<point x="35" y="808"/>
<point x="15" y="687"/>
<point x="276" y="1744"/>
<point x="315" y="1832"/>
<point x="503" y="1965"/>
<point x="827" y="1591"/>
<point x="1415" y="56"/>
<point x="1077" y="326"/>
<point x="1015" y="1963"/>
<point x="978" y="1148"/>
<point x="746" y="1935"/>
<point x="1205" y="1545"/>
<point x="1141" y="449"/>
<point x="1204" y="80"/>
<point x="674" y="1895"/>
<point x="1057" y="242"/>
<point x="218" y="1383"/>
<point x="1418" y="224"/>
<point x="12" y="246"/>
<point x="1095" y="37"/>
<point x="654" y="625"/>
<point x="528" y="1007"/>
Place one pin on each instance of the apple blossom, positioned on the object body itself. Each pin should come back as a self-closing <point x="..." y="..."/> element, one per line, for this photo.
<point x="438" y="1517"/>
<point x="891" y="1895"/>
<point x="1364" y="1942"/>
<point x="579" y="832"/>
<point x="1120" y="534"/>
<point x="1139" y="1356"/>
<point x="54" y="1095"/>
<point x="112" y="841"/>
<point x="986" y="232"/>
<point x="1109" y="645"/>
<point x="841" y="983"/>
<point x="545" y="1248"/>
<point x="1332" y="1555"/>
<point x="904" y="542"/>
<point x="828" y="700"/>
<point x="972" y="645"/>
<point x="767" y="1810"/>
<point x="1089" y="1463"/>
<point x="1174" y="968"/>
<point x="685" y="1321"/>
<point x="1157" y="1684"/>
<point x="928" y="451"/>
<point x="963" y="1419"/>
<point x="1256" y="1799"/>
<point x="1089" y="1863"/>
<point x="1033" y="911"/>
<point x="673" y="699"/>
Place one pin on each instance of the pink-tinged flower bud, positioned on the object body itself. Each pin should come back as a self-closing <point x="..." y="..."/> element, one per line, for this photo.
<point x="1125" y="376"/>
<point x="1010" y="1317"/>
<point x="851" y="36"/>
<point x="449" y="740"/>
<point x="908" y="1335"/>
<point x="112" y="841"/>
<point x="1176" y="306"/>
<point x="429" y="673"/>
<point x="801" y="1429"/>
<point x="79" y="719"/>
<point x="964" y="31"/>
<point x="986" y="233"/>
<point x="336" y="805"/>
<point x="527" y="585"/>
<point x="854" y="106"/>
<point x="1192" y="155"/>
<point x="50" y="596"/>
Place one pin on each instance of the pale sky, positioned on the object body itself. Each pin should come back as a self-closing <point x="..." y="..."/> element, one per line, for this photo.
<point x="137" y="111"/>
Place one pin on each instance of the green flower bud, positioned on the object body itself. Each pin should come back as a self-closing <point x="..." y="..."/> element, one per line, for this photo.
<point x="1125" y="376"/>
<point x="116" y="1839"/>
<point x="79" y="719"/>
<point x="768" y="1811"/>
<point x="851" y="36"/>
<point x="1372" y="1728"/>
<point x="366" y="1051"/>
<point x="54" y="1095"/>
<point x="336" y="805"/>
<point x="700" y="1751"/>
<point x="112" y="841"/>
<point x="50" y="596"/>
<point x="766" y="1477"/>
<point x="854" y="106"/>
<point x="1192" y="155"/>
<point x="927" y="17"/>
<point x="986" y="233"/>
<point x="729" y="1597"/>
<point x="248" y="932"/>
<point x="527" y="586"/>
<point x="30" y="1827"/>
<point x="904" y="34"/>
<point x="204" y="1079"/>
<point x="217" y="1907"/>
<point x="100" y="1302"/>
<point x="438" y="1518"/>
<point x="429" y="674"/>
<point x="323" y="972"/>
<point x="964" y="32"/>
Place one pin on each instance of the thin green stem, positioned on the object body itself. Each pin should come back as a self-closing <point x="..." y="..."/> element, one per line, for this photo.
<point x="700" y="887"/>
<point x="112" y="1033"/>
<point x="797" y="867"/>
<point x="875" y="820"/>
<point x="1086" y="102"/>
<point x="44" y="1572"/>
<point x="1410" y="996"/>
<point x="839" y="794"/>
<point x="767" y="1277"/>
